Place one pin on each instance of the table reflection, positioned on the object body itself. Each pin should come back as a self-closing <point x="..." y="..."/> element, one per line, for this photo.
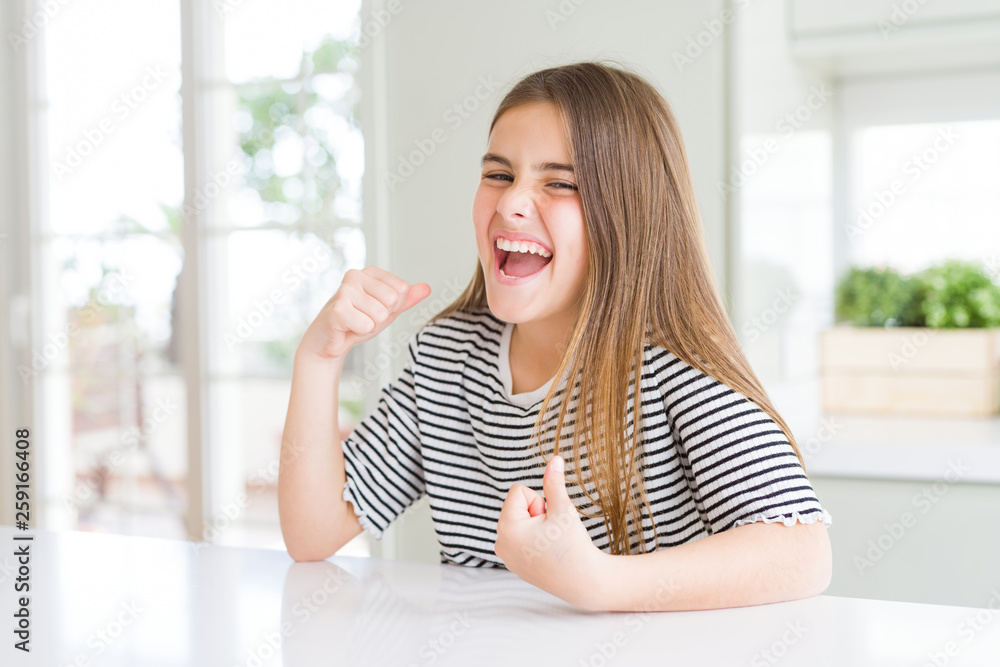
<point x="413" y="614"/>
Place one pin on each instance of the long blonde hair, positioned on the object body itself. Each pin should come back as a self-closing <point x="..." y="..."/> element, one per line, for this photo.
<point x="649" y="279"/>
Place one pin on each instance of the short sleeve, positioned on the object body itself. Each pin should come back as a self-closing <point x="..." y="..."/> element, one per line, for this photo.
<point x="382" y="458"/>
<point x="737" y="460"/>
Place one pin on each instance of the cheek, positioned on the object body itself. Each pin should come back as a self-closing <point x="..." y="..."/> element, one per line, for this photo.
<point x="484" y="206"/>
<point x="572" y="236"/>
<point x="482" y="215"/>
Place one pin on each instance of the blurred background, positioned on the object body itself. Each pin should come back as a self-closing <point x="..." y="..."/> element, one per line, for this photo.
<point x="183" y="184"/>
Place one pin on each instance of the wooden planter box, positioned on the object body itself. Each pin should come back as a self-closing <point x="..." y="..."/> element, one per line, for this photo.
<point x="911" y="371"/>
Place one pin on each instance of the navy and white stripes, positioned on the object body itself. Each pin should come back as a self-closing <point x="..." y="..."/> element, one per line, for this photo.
<point x="449" y="427"/>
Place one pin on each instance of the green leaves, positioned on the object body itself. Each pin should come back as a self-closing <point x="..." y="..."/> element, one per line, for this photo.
<point x="955" y="294"/>
<point x="960" y="295"/>
<point x="878" y="297"/>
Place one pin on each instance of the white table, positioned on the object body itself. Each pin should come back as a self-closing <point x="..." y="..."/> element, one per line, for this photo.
<point x="112" y="600"/>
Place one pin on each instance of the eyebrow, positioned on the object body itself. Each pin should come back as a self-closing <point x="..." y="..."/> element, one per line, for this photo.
<point x="541" y="166"/>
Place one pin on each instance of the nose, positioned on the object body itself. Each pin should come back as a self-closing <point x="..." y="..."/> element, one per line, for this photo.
<point x="517" y="202"/>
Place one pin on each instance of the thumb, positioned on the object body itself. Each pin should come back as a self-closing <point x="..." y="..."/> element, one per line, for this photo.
<point x="557" y="499"/>
<point x="414" y="295"/>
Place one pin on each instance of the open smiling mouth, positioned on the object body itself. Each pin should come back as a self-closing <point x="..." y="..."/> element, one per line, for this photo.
<point x="516" y="261"/>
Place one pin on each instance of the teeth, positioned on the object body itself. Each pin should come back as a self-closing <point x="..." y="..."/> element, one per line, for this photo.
<point x="522" y="246"/>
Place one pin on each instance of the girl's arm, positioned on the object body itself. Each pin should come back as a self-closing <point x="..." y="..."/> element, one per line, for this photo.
<point x="316" y="521"/>
<point x="545" y="543"/>
<point x="756" y="563"/>
<point x="741" y="466"/>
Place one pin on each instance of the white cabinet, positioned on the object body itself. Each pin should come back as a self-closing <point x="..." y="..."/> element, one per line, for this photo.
<point x="822" y="16"/>
<point x="859" y="37"/>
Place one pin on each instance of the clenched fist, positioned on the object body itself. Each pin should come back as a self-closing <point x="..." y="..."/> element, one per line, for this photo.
<point x="367" y="301"/>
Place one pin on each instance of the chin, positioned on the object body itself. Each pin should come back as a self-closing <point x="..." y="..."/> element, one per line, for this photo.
<point x="506" y="312"/>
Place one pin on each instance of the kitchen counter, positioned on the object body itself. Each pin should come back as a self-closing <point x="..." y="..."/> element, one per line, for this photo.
<point x="963" y="450"/>
<point x="99" y="599"/>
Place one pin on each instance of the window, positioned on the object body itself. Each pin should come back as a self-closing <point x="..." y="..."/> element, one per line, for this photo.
<point x="111" y="396"/>
<point x="921" y="162"/>
<point x="924" y="193"/>
<point x="272" y="224"/>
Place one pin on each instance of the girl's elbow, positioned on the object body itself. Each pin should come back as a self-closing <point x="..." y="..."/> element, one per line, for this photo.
<point x="819" y="556"/>
<point x="305" y="557"/>
<point x="303" y="546"/>
<point x="825" y="571"/>
<point x="819" y="579"/>
<point x="306" y="553"/>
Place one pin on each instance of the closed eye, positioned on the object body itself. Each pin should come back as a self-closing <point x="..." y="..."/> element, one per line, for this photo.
<point x="559" y="185"/>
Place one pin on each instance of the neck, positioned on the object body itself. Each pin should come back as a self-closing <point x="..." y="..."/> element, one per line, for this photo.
<point x="542" y="342"/>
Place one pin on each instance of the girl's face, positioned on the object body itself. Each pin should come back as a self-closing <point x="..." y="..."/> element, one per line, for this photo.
<point x="528" y="194"/>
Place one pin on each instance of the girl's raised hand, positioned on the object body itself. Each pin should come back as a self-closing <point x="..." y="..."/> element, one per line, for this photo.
<point x="367" y="301"/>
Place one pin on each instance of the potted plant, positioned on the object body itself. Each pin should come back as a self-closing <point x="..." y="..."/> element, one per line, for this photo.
<point x="923" y="344"/>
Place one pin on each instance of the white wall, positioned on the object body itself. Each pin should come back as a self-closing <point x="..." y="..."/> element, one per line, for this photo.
<point x="437" y="55"/>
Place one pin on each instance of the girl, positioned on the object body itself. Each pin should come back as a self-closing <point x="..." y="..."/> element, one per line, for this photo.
<point x="677" y="486"/>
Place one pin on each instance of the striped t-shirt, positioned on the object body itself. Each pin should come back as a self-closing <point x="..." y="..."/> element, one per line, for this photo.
<point x="450" y="427"/>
